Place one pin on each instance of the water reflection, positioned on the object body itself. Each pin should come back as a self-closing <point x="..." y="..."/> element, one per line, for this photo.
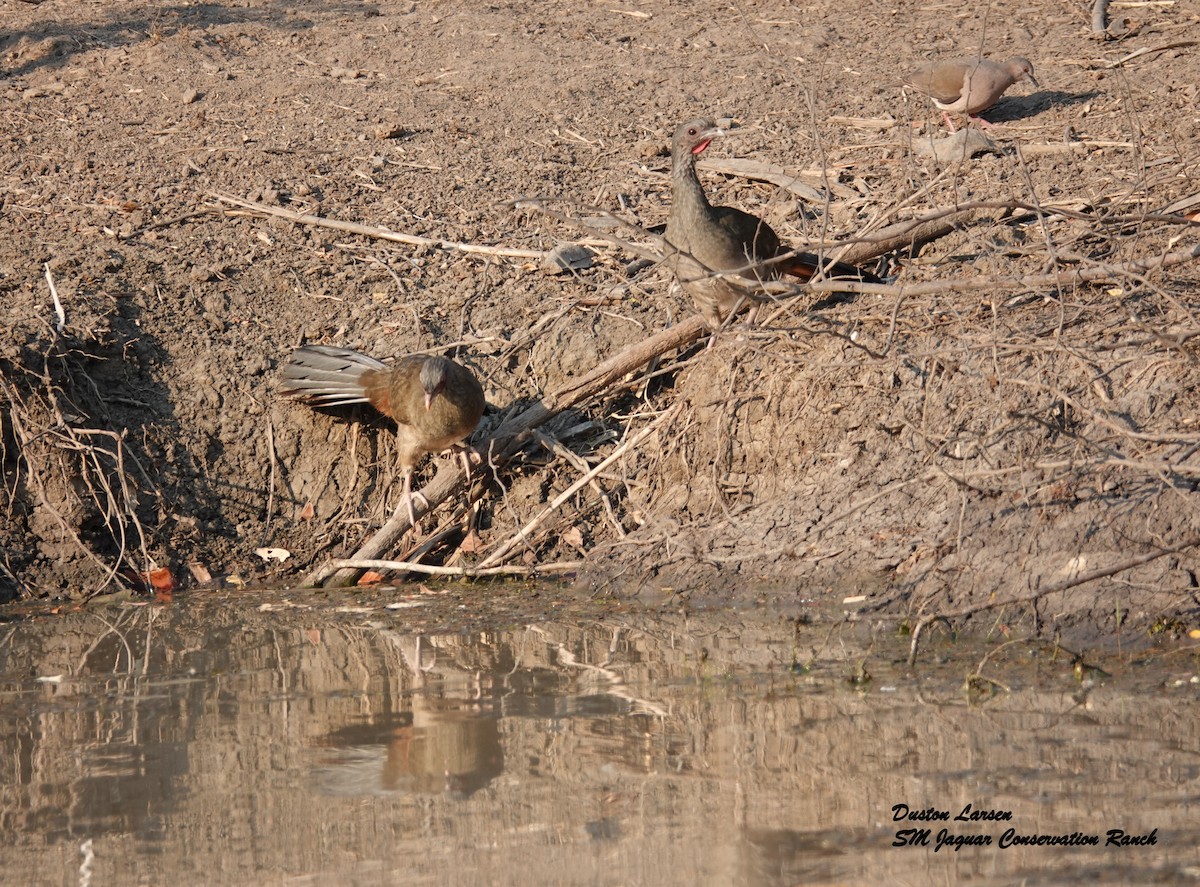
<point x="217" y="742"/>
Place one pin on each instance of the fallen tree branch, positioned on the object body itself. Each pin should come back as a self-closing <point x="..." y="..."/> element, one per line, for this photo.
<point x="508" y="440"/>
<point x="908" y="234"/>
<point x="1148" y="50"/>
<point x="1067" y="278"/>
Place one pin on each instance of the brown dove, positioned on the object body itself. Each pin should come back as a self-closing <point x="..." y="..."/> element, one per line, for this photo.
<point x="436" y="402"/>
<point x="702" y="238"/>
<point x="969" y="86"/>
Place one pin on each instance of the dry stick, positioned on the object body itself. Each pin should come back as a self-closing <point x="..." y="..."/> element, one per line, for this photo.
<point x="1100" y="17"/>
<point x="380" y="233"/>
<point x="892" y="211"/>
<point x="432" y="570"/>
<point x="270" y="480"/>
<point x="900" y="234"/>
<point x="908" y="234"/>
<point x="1180" y="205"/>
<point x="555" y="446"/>
<point x="1092" y="274"/>
<point x="1146" y="50"/>
<point x="769" y="172"/>
<point x="1064" y="585"/>
<point x="508" y="440"/>
<point x="895" y="234"/>
<point x="58" y="307"/>
<point x="538" y="204"/>
<point x="523" y="534"/>
<point x="893" y="237"/>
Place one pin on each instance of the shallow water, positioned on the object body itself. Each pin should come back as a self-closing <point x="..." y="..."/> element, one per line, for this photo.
<point x="322" y="739"/>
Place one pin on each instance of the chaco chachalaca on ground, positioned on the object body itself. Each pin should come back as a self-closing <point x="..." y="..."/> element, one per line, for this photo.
<point x="969" y="86"/>
<point x="436" y="402"/>
<point x="703" y="239"/>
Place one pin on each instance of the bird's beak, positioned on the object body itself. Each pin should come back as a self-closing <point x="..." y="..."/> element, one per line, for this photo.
<point x="428" y="399"/>
<point x="709" y="135"/>
<point x="1031" y="79"/>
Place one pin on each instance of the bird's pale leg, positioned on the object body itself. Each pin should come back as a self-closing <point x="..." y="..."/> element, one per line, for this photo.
<point x="464" y="456"/>
<point x="407" y="501"/>
<point x="949" y="122"/>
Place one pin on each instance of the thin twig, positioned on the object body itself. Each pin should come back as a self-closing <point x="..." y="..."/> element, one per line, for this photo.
<point x="1064" y="585"/>
<point x="1148" y="50"/>
<point x="272" y="458"/>
<point x="360" y="564"/>
<point x="510" y="438"/>
<point x="554" y="445"/>
<point x="523" y="534"/>
<point x="1067" y="278"/>
<point x="378" y="233"/>
<point x="59" y="313"/>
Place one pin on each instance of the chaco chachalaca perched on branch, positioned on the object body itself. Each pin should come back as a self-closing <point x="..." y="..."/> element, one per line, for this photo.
<point x="436" y="402"/>
<point x="703" y="239"/>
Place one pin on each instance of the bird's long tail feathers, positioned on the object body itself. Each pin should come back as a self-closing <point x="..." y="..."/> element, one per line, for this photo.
<point x="327" y="376"/>
<point x="805" y="265"/>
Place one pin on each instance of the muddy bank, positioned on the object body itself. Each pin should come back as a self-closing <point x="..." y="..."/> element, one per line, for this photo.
<point x="932" y="449"/>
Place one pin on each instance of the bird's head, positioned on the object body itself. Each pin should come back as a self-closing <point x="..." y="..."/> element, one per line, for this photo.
<point x="1022" y="69"/>
<point x="694" y="136"/>
<point x="433" y="377"/>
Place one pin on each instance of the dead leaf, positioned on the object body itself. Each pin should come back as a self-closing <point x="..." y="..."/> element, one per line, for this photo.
<point x="574" y="538"/>
<point x="471" y="543"/>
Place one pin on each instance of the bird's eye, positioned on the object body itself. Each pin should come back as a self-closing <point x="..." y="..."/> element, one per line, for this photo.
<point x="692" y="130"/>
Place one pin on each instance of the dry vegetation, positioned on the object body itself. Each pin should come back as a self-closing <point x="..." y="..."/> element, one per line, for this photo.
<point x="1015" y="412"/>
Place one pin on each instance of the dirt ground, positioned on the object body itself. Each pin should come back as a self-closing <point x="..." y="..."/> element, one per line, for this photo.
<point x="970" y="436"/>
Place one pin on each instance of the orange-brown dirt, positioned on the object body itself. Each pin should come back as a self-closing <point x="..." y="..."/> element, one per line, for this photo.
<point x="930" y="449"/>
